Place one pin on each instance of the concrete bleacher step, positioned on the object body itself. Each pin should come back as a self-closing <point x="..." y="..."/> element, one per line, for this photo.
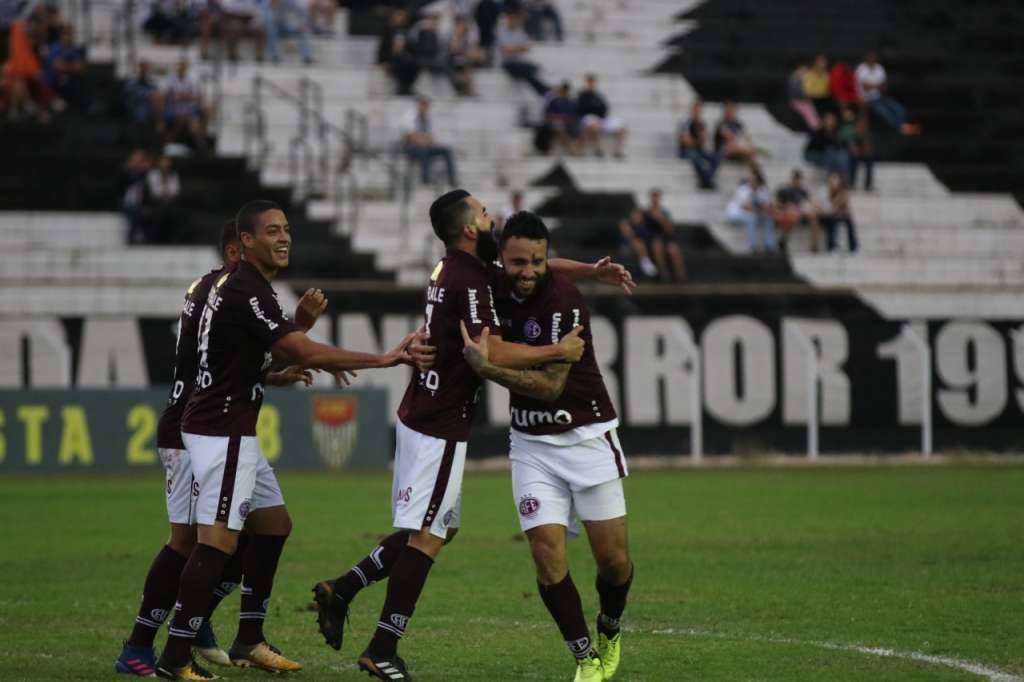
<point x="21" y="230"/>
<point x="913" y="271"/>
<point x="171" y="264"/>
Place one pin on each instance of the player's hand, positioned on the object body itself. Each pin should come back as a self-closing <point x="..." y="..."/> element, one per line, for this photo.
<point x="311" y="305"/>
<point x="572" y="345"/>
<point x="399" y="355"/>
<point x="290" y="375"/>
<point x="345" y="377"/>
<point x="477" y="353"/>
<point x="607" y="272"/>
<point x="423" y="354"/>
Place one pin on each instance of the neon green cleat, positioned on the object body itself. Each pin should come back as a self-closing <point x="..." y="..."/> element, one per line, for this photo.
<point x="589" y="669"/>
<point x="610" y="651"/>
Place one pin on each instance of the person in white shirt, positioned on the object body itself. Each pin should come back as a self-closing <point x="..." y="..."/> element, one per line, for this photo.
<point x="184" y="108"/>
<point x="751" y="207"/>
<point x="420" y="144"/>
<point x="871" y="85"/>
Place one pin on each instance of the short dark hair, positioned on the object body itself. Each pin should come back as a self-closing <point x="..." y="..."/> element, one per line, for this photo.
<point x="448" y="214"/>
<point x="524" y="225"/>
<point x="228" y="234"/>
<point x="245" y="220"/>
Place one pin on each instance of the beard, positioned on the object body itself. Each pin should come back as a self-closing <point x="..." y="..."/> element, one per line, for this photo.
<point x="486" y="246"/>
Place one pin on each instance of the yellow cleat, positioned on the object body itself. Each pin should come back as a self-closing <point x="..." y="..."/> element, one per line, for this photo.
<point x="589" y="669"/>
<point x="610" y="651"/>
<point x="192" y="671"/>
<point x="262" y="656"/>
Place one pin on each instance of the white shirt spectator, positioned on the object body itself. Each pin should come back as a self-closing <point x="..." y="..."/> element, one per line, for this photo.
<point x="745" y="199"/>
<point x="511" y="37"/>
<point x="184" y="89"/>
<point x="162" y="187"/>
<point x="413" y="122"/>
<point x="872" y="76"/>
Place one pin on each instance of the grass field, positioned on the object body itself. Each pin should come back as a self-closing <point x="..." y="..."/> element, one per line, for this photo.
<point x="747" y="574"/>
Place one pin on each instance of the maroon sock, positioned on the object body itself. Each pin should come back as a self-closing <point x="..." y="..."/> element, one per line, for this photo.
<point x="563" y="602"/>
<point x="259" y="566"/>
<point x="232" y="575"/>
<point x="408" y="576"/>
<point x="613" y="603"/>
<point x="198" y="580"/>
<point x="158" y="593"/>
<point x="375" y="566"/>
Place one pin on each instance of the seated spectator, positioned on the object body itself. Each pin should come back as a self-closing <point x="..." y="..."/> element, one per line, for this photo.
<point x="751" y="207"/>
<point x="421" y="146"/>
<point x="592" y="108"/>
<point x="538" y="14"/>
<point x="394" y="52"/>
<point x="650" y="233"/>
<point x="233" y="20"/>
<point x="843" y="85"/>
<point x="798" y="99"/>
<point x="427" y="46"/>
<point x="855" y="135"/>
<point x="692" y="138"/>
<point x="134" y="174"/>
<point x="184" y="109"/>
<point x="65" y="69"/>
<point x="817" y="87"/>
<point x="23" y="88"/>
<point x="464" y="55"/>
<point x="793" y="205"/>
<point x="825" y="150"/>
<point x="160" y="205"/>
<point x="732" y="141"/>
<point x="142" y="97"/>
<point x="287" y="19"/>
<point x="322" y="13"/>
<point x="513" y="45"/>
<point x="560" y="115"/>
<point x="871" y="80"/>
<point x="486" y="16"/>
<point x="170" y="22"/>
<point x="836" y="202"/>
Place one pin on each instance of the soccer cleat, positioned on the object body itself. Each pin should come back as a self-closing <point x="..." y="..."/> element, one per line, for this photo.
<point x="263" y="656"/>
<point x="205" y="644"/>
<point x="589" y="669"/>
<point x="332" y="611"/>
<point x="609" y="650"/>
<point x="136" y="660"/>
<point x="390" y="668"/>
<point x="192" y="671"/>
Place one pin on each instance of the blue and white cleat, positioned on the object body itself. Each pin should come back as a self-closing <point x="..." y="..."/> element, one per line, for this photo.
<point x="136" y="660"/>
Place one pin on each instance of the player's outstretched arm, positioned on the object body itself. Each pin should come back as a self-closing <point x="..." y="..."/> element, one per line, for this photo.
<point x="603" y="271"/>
<point x="520" y="356"/>
<point x="546" y="383"/>
<point x="298" y="349"/>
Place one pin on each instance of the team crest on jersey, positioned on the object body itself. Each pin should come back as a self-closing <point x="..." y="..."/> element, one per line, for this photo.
<point x="531" y="330"/>
<point x="529" y="506"/>
<point x="335" y="429"/>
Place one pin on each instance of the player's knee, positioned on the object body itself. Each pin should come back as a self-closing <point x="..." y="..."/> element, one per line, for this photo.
<point x="549" y="558"/>
<point x="182" y="539"/>
<point x="615" y="565"/>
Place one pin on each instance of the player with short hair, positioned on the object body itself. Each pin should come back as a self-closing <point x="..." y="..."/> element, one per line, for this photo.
<point x="566" y="456"/>
<point x="242" y="331"/>
<point x="161" y="585"/>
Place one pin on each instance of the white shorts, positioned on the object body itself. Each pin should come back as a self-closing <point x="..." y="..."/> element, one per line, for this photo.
<point x="552" y="484"/>
<point x="182" y="491"/>
<point x="426" y="489"/>
<point x="234" y="478"/>
<point x="608" y="125"/>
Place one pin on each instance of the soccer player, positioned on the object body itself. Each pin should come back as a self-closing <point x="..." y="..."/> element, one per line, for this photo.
<point x="137" y="656"/>
<point x="242" y="329"/>
<point x="566" y="457"/>
<point x="434" y="422"/>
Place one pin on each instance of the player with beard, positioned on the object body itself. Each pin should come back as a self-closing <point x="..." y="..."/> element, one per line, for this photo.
<point x="242" y="331"/>
<point x="161" y="585"/>
<point x="566" y="458"/>
<point x="434" y="422"/>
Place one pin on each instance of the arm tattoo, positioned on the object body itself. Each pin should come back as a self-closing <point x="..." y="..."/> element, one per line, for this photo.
<point x="545" y="383"/>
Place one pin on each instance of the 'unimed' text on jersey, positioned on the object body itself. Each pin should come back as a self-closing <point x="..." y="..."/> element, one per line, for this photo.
<point x="554" y="309"/>
<point x="441" y="401"/>
<point x="240" y="322"/>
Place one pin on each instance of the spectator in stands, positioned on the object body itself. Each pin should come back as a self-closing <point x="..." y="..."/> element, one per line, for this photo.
<point x="24" y="90"/>
<point x="162" y="213"/>
<point x="394" y="52"/>
<point x="464" y="55"/>
<point x="651" y="235"/>
<point x="420" y="144"/>
<point x="134" y="174"/>
<point x="836" y="202"/>
<point x="170" y="22"/>
<point x="843" y="85"/>
<point x="592" y="108"/>
<point x="322" y="13"/>
<point x="514" y="45"/>
<point x="793" y="205"/>
<point x="692" y="138"/>
<point x="184" y="108"/>
<point x="872" y="80"/>
<point x="539" y="13"/>
<point x="232" y="20"/>
<point x="799" y="100"/>
<point x="486" y="16"/>
<point x="817" y="87"/>
<point x="751" y="207"/>
<point x="142" y="96"/>
<point x="427" y="45"/>
<point x="515" y="206"/>
<point x="65" y="69"/>
<point x="561" y="116"/>
<point x="732" y="141"/>
<point x="825" y="150"/>
<point x="287" y="19"/>
<point x="855" y="135"/>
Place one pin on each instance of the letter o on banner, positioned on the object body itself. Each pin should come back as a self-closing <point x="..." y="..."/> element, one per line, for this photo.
<point x="739" y="370"/>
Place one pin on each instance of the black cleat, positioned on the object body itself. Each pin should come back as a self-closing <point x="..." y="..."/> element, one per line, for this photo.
<point x="331" y="613"/>
<point x="390" y="668"/>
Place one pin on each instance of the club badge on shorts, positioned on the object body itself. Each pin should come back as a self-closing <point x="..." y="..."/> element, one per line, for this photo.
<point x="529" y="506"/>
<point x="334" y="429"/>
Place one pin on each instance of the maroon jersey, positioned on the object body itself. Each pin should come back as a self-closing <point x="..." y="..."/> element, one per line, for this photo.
<point x="240" y="322"/>
<point x="442" y="401"/>
<point x="168" y="433"/>
<point x="555" y="307"/>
